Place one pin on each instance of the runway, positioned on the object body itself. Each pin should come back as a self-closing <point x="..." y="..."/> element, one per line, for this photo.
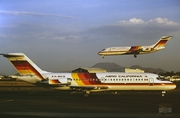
<point x="40" y="102"/>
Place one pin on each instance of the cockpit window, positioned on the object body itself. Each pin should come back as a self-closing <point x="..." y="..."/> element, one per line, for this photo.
<point x="161" y="78"/>
<point x="106" y="49"/>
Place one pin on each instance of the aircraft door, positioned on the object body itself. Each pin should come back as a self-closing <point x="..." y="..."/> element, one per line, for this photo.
<point x="151" y="81"/>
<point x="103" y="79"/>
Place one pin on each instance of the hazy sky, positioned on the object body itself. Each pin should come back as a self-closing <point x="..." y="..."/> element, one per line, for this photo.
<point x="60" y="35"/>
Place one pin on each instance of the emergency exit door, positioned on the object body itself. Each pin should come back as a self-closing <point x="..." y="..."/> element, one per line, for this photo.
<point x="151" y="81"/>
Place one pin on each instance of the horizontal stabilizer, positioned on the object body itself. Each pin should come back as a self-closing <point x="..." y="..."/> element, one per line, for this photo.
<point x="9" y="55"/>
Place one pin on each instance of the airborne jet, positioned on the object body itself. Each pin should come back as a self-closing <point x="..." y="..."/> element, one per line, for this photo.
<point x="135" y="50"/>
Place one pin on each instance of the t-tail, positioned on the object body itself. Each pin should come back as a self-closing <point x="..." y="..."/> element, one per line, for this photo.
<point x="161" y="43"/>
<point x="27" y="70"/>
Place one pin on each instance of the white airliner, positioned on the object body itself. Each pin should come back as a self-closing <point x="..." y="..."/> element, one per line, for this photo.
<point x="135" y="50"/>
<point x="87" y="82"/>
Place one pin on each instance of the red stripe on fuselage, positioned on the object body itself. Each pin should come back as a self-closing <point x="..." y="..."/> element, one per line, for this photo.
<point x="55" y="81"/>
<point x="134" y="48"/>
<point x="89" y="78"/>
<point x="83" y="78"/>
<point x="92" y="78"/>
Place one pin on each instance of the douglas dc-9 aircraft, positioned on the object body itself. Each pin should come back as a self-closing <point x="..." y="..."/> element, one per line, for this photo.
<point x="135" y="50"/>
<point x="87" y="82"/>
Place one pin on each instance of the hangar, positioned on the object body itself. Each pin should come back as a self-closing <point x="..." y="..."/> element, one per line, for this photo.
<point x="89" y="70"/>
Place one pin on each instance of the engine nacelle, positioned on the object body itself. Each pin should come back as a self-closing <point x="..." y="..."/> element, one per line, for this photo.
<point x="61" y="81"/>
<point x="26" y="78"/>
<point x="147" y="49"/>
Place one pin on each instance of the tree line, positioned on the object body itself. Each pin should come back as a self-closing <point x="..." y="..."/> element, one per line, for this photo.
<point x="171" y="73"/>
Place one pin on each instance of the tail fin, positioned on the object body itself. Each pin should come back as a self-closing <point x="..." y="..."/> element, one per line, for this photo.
<point x="24" y="65"/>
<point x="162" y="42"/>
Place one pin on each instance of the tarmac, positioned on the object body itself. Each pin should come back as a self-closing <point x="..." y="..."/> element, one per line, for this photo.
<point x="19" y="99"/>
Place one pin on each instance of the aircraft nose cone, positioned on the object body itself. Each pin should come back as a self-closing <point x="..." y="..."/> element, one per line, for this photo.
<point x="99" y="53"/>
<point x="174" y="86"/>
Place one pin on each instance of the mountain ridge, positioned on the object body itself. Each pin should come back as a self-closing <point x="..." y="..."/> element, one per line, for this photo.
<point x="113" y="67"/>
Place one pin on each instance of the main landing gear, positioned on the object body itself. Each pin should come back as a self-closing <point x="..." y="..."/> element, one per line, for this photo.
<point x="115" y="92"/>
<point x="86" y="93"/>
<point x="163" y="93"/>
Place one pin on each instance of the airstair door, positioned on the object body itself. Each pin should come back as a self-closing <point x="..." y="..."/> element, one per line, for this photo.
<point x="151" y="81"/>
<point x="103" y="79"/>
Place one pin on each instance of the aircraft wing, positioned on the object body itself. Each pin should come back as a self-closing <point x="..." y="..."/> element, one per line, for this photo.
<point x="88" y="87"/>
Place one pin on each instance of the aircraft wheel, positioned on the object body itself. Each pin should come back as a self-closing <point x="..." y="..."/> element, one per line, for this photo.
<point x="86" y="95"/>
<point x="163" y="93"/>
<point x="115" y="93"/>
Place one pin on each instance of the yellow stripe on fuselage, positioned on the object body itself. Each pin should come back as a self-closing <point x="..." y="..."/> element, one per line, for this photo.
<point x="77" y="79"/>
